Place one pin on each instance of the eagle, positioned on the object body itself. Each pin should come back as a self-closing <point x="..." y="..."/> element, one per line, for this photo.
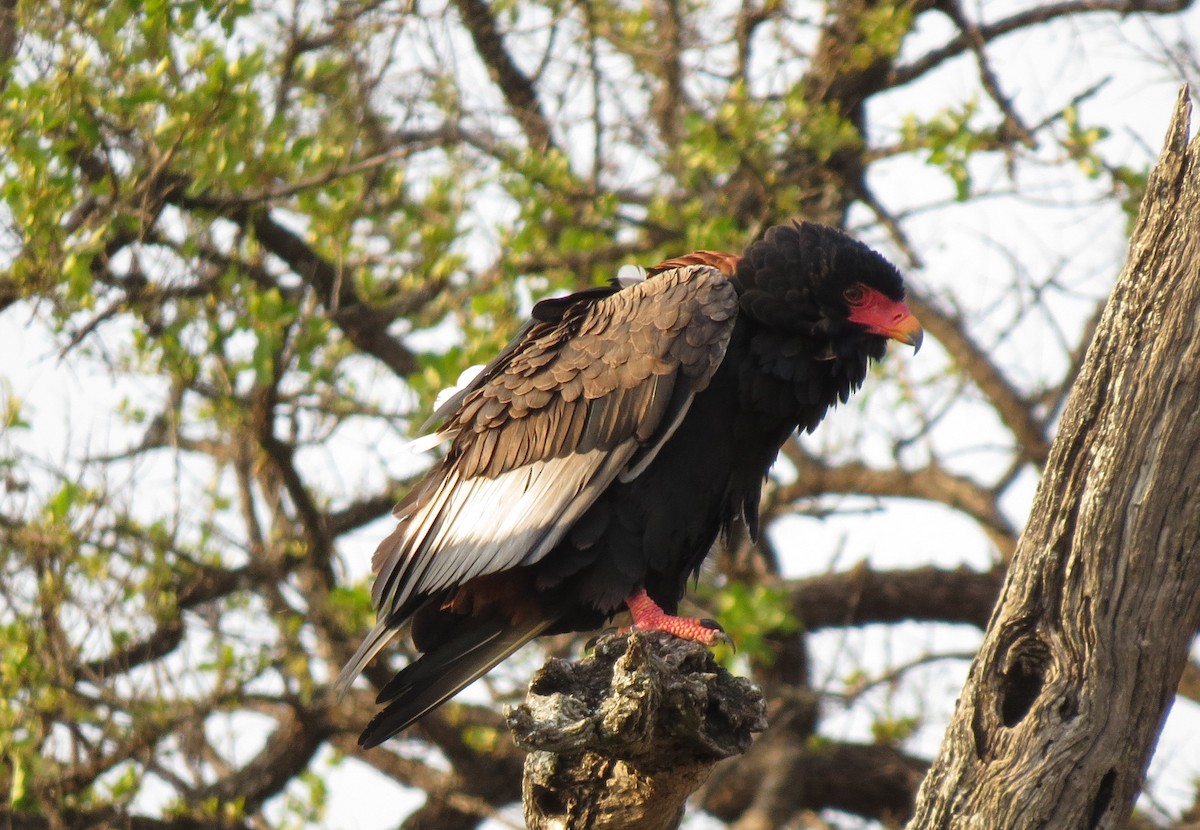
<point x="590" y="467"/>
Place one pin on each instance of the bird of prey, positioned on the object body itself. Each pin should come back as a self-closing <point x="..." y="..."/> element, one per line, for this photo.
<point x="590" y="467"/>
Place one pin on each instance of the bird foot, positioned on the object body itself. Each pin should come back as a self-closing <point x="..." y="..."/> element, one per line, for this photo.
<point x="648" y="616"/>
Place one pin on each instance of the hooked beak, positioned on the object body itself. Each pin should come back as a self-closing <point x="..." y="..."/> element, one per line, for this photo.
<point x="908" y="330"/>
<point x="889" y="318"/>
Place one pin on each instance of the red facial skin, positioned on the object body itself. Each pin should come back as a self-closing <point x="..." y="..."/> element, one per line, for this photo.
<point x="883" y="316"/>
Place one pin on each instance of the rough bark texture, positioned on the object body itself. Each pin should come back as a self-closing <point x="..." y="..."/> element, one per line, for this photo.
<point x="623" y="737"/>
<point x="1064" y="703"/>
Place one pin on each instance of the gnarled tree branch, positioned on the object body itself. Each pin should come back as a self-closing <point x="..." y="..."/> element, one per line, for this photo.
<point x="623" y="737"/>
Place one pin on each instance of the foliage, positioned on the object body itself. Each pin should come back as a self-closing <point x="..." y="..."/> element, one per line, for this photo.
<point x="262" y="236"/>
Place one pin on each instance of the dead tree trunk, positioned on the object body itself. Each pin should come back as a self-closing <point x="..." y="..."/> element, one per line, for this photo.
<point x="1065" y="700"/>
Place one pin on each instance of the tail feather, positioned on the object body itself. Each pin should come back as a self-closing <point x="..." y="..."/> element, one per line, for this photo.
<point x="441" y="673"/>
<point x="377" y="638"/>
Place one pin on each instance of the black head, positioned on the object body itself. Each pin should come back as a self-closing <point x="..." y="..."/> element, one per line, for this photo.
<point x="805" y="278"/>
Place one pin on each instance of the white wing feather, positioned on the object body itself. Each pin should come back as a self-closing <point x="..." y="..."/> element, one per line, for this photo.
<point x="483" y="525"/>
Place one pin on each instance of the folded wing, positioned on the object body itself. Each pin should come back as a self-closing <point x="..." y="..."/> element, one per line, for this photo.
<point x="587" y="392"/>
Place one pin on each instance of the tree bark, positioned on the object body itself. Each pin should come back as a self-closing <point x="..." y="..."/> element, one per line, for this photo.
<point x="621" y="738"/>
<point x="1082" y="657"/>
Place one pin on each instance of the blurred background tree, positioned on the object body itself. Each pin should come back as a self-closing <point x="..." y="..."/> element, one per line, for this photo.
<point x="242" y="245"/>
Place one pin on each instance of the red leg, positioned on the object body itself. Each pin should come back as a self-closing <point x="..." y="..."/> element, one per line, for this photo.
<point x="647" y="616"/>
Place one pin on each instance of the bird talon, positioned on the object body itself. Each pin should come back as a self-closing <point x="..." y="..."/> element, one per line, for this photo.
<point x="718" y="636"/>
<point x="648" y="616"/>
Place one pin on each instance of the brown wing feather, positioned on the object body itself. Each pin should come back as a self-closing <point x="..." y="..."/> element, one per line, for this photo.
<point x="596" y="357"/>
<point x="723" y="262"/>
<point x="547" y="426"/>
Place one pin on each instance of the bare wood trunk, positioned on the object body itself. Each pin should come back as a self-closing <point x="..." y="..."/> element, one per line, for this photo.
<point x="1079" y="666"/>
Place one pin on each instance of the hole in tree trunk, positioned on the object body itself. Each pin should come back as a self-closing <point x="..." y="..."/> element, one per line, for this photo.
<point x="548" y="802"/>
<point x="1103" y="796"/>
<point x="1022" y="683"/>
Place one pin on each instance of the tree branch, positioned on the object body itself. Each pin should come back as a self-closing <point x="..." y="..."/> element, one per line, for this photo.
<point x="105" y="817"/>
<point x="364" y="511"/>
<point x="8" y="38"/>
<point x="282" y="456"/>
<point x="1014" y="410"/>
<point x="862" y="595"/>
<point x="906" y="73"/>
<point x="784" y="774"/>
<point x="364" y="325"/>
<point x="287" y="752"/>
<point x="931" y="483"/>
<point x="198" y="585"/>
<point x="624" y="736"/>
<point x="516" y="87"/>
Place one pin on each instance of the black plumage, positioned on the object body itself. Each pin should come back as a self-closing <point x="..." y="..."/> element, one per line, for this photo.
<point x="610" y="443"/>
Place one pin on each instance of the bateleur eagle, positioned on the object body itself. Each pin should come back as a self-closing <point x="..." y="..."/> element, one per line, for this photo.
<point x="594" y="462"/>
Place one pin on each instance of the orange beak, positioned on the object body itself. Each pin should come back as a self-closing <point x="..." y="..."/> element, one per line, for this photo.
<point x="889" y="318"/>
<point x="906" y="329"/>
